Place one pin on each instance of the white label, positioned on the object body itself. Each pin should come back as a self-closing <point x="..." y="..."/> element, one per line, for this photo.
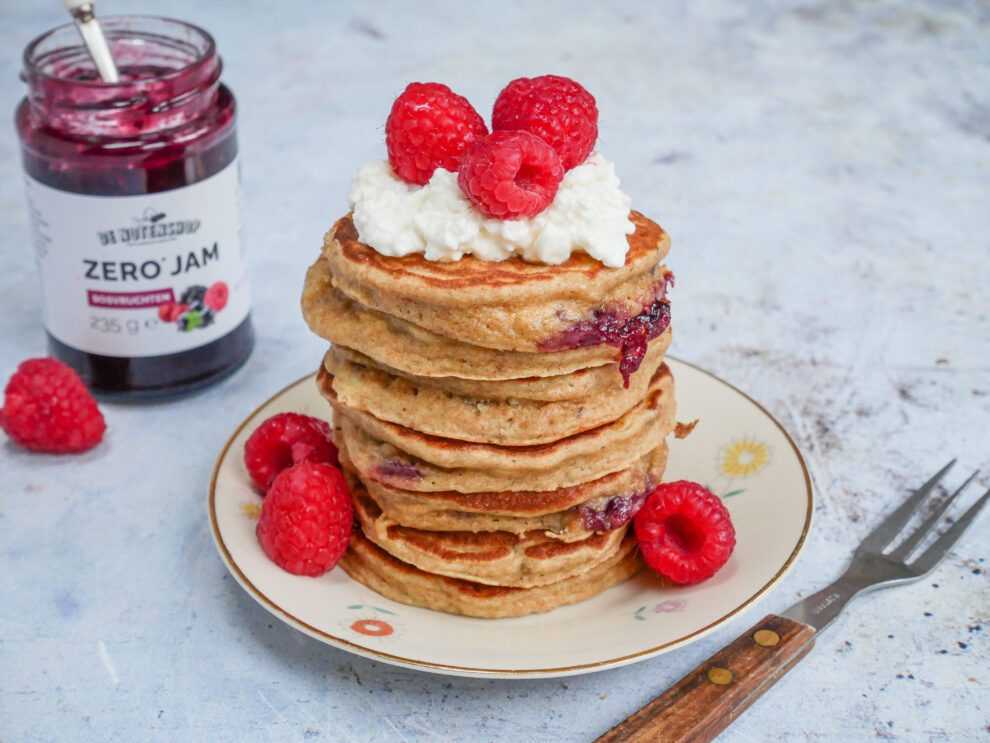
<point x="141" y="275"/>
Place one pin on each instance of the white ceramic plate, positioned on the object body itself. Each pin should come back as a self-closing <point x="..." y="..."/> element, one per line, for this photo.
<point x="738" y="450"/>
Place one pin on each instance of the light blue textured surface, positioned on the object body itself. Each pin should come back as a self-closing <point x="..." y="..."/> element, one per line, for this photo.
<point x="823" y="169"/>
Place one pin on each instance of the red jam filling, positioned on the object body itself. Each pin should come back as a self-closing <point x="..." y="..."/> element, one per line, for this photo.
<point x="631" y="335"/>
<point x="398" y="469"/>
<point x="617" y="511"/>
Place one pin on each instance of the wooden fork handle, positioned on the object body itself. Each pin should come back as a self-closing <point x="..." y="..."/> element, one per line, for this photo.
<point x="703" y="703"/>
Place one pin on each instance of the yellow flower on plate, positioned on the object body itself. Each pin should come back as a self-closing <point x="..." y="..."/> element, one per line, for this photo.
<point x="251" y="509"/>
<point x="743" y="457"/>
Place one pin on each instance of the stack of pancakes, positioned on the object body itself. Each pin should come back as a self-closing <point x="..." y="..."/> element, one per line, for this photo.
<point x="495" y="447"/>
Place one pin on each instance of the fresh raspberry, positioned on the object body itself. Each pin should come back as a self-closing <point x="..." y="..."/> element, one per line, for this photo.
<point x="684" y="532"/>
<point x="48" y="408"/>
<point x="428" y="128"/>
<point x="216" y="296"/>
<point x="306" y="519"/>
<point x="284" y="440"/>
<point x="508" y="175"/>
<point x="556" y="109"/>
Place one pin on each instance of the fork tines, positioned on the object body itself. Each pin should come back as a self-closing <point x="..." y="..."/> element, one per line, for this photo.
<point x="884" y="535"/>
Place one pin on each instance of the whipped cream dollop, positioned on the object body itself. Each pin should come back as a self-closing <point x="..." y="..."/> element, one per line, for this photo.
<point x="589" y="213"/>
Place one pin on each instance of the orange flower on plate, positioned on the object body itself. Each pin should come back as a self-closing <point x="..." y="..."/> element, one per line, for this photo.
<point x="373" y="627"/>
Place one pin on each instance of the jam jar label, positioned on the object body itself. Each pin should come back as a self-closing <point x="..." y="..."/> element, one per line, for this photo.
<point x="142" y="275"/>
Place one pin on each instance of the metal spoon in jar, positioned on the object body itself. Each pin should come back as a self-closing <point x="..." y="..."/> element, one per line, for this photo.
<point x="92" y="36"/>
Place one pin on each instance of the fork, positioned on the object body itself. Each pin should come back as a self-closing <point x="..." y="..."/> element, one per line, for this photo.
<point x="703" y="703"/>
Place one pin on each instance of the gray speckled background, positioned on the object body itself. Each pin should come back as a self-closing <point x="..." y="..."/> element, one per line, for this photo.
<point x="824" y="169"/>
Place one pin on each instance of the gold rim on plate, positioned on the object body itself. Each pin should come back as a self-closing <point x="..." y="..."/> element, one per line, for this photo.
<point x="365" y="651"/>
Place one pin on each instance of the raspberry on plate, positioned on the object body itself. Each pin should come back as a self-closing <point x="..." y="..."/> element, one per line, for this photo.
<point x="428" y="128"/>
<point x="508" y="175"/>
<point x="556" y="109"/>
<point x="284" y="440"/>
<point x="684" y="532"/>
<point x="306" y="519"/>
<point x="47" y="408"/>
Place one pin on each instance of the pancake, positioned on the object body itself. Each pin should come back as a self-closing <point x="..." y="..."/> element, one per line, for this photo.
<point x="407" y="347"/>
<point x="565" y="514"/>
<point x="417" y="461"/>
<point x="380" y="462"/>
<point x="510" y="305"/>
<point x="646" y="417"/>
<point x="507" y="421"/>
<point x="494" y="558"/>
<point x="372" y="566"/>
<point x="578" y="385"/>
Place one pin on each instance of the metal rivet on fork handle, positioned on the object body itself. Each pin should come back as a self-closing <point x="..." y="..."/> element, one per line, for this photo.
<point x="720" y="676"/>
<point x="766" y="638"/>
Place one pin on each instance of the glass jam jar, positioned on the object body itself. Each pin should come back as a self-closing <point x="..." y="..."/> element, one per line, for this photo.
<point x="133" y="195"/>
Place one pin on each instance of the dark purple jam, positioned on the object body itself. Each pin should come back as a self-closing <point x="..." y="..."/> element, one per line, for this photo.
<point x="168" y="124"/>
<point x="617" y="511"/>
<point x="631" y="335"/>
<point x="398" y="469"/>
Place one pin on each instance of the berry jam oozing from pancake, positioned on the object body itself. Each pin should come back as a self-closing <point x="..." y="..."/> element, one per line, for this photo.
<point x="617" y="511"/>
<point x="397" y="469"/>
<point x="630" y="335"/>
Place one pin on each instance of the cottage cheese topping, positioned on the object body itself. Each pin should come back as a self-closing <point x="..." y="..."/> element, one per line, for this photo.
<point x="589" y="213"/>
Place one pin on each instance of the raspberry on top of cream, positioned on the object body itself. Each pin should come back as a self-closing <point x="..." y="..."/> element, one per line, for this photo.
<point x="589" y="213"/>
<point x="532" y="187"/>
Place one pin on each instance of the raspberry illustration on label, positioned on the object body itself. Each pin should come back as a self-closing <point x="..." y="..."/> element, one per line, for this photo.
<point x="216" y="296"/>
